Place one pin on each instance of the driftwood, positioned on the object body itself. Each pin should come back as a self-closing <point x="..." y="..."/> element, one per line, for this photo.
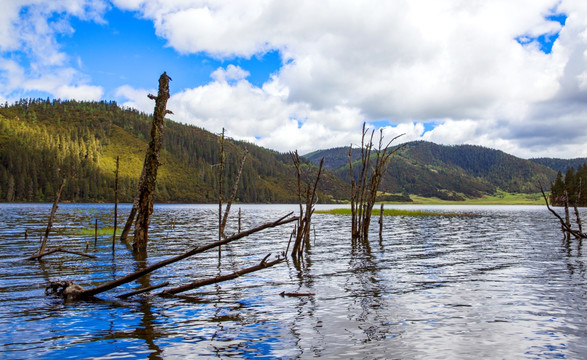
<point x="565" y="224"/>
<point x="143" y="290"/>
<point x="199" y="283"/>
<point x="61" y="249"/>
<point x="151" y="164"/>
<point x="88" y="293"/>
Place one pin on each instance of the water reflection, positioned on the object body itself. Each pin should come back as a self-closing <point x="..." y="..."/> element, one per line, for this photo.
<point x="499" y="285"/>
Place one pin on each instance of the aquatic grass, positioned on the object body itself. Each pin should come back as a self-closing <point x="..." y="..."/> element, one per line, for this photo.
<point x="102" y="231"/>
<point x="392" y="212"/>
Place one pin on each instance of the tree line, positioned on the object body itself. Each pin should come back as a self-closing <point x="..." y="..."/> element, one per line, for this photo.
<point x="43" y="140"/>
<point x="573" y="184"/>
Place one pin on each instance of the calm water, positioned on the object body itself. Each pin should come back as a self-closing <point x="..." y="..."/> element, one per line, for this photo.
<point x="503" y="284"/>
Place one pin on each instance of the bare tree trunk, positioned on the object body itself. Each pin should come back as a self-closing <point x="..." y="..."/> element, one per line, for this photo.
<point x="51" y="216"/>
<point x="115" y="203"/>
<point x="133" y="211"/>
<point x="565" y="228"/>
<point x="305" y="219"/>
<point x="364" y="190"/>
<point x="146" y="192"/>
<point x="220" y="176"/>
<point x="233" y="194"/>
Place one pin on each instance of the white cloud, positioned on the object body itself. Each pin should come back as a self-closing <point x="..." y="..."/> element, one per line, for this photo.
<point x="408" y="62"/>
<point x="29" y="30"/>
<point x="452" y="62"/>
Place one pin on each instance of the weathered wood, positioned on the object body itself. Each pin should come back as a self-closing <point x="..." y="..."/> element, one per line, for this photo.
<point x="199" y="283"/>
<point x="564" y="226"/>
<point x="151" y="165"/>
<point x="305" y="219"/>
<point x="115" y="203"/>
<point x="143" y="290"/>
<point x="51" y="216"/>
<point x="61" y="249"/>
<point x="220" y="176"/>
<point x="133" y="211"/>
<point x="198" y="249"/>
<point x="381" y="224"/>
<point x="364" y="189"/>
<point x="233" y="194"/>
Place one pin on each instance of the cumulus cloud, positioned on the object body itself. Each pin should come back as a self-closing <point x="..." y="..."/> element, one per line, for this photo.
<point x="28" y="32"/>
<point x="474" y="68"/>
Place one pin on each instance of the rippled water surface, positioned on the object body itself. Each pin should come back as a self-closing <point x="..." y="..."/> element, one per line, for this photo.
<point x="500" y="284"/>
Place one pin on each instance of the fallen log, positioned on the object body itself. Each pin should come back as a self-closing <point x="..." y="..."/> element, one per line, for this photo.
<point x="88" y="293"/>
<point x="199" y="283"/>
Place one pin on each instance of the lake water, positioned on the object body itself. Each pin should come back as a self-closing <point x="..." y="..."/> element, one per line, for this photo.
<point x="503" y="284"/>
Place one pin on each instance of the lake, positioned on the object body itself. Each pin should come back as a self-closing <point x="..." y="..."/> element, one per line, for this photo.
<point x="501" y="284"/>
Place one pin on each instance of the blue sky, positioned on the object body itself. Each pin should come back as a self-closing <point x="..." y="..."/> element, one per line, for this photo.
<point x="305" y="75"/>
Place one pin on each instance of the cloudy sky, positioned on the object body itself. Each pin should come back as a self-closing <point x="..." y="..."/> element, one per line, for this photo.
<point x="305" y="74"/>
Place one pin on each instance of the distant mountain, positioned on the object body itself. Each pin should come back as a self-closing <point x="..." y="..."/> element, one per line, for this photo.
<point x="447" y="172"/>
<point x="561" y="165"/>
<point x="42" y="141"/>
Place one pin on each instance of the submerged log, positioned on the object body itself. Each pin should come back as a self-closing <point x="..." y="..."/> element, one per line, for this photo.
<point x="88" y="293"/>
<point x="199" y="283"/>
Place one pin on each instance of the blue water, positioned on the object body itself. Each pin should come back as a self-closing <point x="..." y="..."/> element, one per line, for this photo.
<point x="500" y="284"/>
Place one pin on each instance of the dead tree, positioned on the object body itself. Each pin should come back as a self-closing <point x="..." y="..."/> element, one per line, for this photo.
<point x="223" y="218"/>
<point x="72" y="291"/>
<point x="233" y="194"/>
<point x="364" y="186"/>
<point x="147" y="188"/>
<point x="115" y="203"/>
<point x="220" y="176"/>
<point x="51" y="216"/>
<point x="133" y="211"/>
<point x="565" y="223"/>
<point x="305" y="219"/>
<point x="43" y="250"/>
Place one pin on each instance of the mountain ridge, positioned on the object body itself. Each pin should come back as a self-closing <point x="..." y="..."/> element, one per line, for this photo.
<point x="42" y="141"/>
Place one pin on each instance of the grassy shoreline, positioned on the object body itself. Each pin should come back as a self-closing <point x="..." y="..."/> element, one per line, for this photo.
<point x="501" y="198"/>
<point x="392" y="212"/>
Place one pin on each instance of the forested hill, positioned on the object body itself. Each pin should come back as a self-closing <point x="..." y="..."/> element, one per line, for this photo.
<point x="561" y="165"/>
<point x="42" y="141"/>
<point x="447" y="172"/>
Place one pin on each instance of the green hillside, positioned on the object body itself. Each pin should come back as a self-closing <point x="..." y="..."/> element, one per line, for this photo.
<point x="42" y="141"/>
<point x="561" y="165"/>
<point x="448" y="172"/>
